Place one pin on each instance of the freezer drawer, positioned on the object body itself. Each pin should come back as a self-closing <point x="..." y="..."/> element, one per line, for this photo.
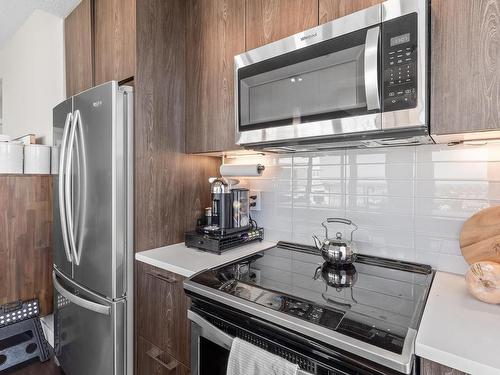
<point x="89" y="331"/>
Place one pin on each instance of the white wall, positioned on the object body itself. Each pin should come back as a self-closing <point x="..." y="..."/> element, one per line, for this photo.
<point x="409" y="202"/>
<point x="32" y="73"/>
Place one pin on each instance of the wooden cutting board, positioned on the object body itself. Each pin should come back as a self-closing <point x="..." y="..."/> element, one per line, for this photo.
<point x="480" y="236"/>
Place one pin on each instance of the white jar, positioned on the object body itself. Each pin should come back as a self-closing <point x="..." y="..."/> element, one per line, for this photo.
<point x="11" y="157"/>
<point x="54" y="160"/>
<point x="36" y="159"/>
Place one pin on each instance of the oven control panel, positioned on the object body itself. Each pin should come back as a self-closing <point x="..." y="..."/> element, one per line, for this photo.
<point x="399" y="58"/>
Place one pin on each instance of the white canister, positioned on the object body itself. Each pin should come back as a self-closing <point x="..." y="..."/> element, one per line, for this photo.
<point x="36" y="159"/>
<point x="54" y="160"/>
<point x="11" y="157"/>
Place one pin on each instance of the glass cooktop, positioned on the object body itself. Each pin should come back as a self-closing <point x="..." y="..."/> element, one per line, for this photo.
<point x="375" y="300"/>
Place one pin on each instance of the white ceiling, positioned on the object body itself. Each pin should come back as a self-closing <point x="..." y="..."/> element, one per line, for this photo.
<point x="13" y="13"/>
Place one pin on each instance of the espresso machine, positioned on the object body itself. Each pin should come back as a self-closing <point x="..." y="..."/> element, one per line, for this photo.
<point x="226" y="223"/>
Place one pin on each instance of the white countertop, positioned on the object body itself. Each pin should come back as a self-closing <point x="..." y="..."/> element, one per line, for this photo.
<point x="186" y="261"/>
<point x="459" y="331"/>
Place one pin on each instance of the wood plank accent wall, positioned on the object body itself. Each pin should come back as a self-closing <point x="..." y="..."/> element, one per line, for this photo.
<point x="171" y="188"/>
<point x="26" y="239"/>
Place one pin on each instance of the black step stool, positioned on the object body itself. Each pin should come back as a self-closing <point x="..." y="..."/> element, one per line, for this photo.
<point x="21" y="334"/>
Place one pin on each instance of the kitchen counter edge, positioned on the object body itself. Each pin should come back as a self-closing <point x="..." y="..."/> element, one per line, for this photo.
<point x="187" y="262"/>
<point x="457" y="330"/>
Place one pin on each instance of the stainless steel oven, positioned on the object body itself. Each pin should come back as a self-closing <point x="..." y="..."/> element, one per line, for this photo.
<point x="213" y="327"/>
<point x="360" y="80"/>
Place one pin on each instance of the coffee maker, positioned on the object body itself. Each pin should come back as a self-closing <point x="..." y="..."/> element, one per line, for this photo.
<point x="221" y="205"/>
<point x="227" y="222"/>
<point x="230" y="207"/>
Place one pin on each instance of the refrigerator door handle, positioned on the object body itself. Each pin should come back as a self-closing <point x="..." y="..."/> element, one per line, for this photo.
<point x="62" y="206"/>
<point x="67" y="189"/>
<point x="82" y="185"/>
<point x="82" y="302"/>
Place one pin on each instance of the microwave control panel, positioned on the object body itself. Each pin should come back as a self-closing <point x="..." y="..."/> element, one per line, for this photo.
<point x="399" y="58"/>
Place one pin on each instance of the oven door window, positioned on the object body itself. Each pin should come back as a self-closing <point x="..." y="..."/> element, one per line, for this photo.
<point x="213" y="358"/>
<point x="330" y="79"/>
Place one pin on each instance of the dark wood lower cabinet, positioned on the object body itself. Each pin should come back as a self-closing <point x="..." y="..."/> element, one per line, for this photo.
<point x="432" y="368"/>
<point x="161" y="312"/>
<point x="154" y="361"/>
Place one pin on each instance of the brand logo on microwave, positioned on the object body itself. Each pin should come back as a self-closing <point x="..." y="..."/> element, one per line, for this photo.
<point x="305" y="37"/>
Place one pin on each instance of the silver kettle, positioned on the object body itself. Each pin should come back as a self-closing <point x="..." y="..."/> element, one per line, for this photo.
<point x="337" y="250"/>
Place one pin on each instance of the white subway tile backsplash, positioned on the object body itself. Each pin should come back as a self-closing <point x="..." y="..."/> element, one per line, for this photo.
<point x="393" y="188"/>
<point x="461" y="208"/>
<point x="461" y="153"/>
<point x="380" y="203"/>
<point x="458" y="189"/>
<point x="314" y="172"/>
<point x="319" y="186"/>
<point x="380" y="171"/>
<point x="482" y="170"/>
<point x="381" y="156"/>
<point x="409" y="202"/>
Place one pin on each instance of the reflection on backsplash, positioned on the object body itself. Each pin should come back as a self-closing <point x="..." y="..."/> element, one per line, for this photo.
<point x="409" y="202"/>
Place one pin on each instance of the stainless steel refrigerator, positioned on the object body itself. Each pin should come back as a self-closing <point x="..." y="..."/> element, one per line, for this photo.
<point x="93" y="232"/>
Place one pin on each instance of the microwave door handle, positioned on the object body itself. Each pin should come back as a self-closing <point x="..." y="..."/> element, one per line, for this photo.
<point x="371" y="68"/>
<point x="61" y="187"/>
<point x="68" y="190"/>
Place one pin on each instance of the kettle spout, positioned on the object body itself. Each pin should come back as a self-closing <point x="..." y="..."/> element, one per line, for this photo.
<point x="317" y="242"/>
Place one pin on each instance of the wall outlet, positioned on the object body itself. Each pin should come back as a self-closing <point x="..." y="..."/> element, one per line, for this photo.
<point x="254" y="203"/>
<point x="255" y="275"/>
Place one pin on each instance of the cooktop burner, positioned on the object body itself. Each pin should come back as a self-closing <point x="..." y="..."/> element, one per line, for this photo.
<point x="377" y="301"/>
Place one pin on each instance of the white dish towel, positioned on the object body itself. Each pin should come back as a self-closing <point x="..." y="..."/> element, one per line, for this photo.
<point x="248" y="359"/>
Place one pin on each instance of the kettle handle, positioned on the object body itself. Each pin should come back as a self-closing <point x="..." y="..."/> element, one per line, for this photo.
<point x="338" y="220"/>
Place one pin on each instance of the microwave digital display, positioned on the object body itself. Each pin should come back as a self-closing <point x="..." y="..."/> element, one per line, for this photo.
<point x="400" y="39"/>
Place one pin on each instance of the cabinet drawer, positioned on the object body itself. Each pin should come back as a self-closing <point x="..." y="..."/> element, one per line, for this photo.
<point x="162" y="311"/>
<point x="151" y="360"/>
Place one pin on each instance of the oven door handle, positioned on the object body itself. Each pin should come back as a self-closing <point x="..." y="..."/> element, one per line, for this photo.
<point x="371" y="68"/>
<point x="217" y="336"/>
<point x="211" y="332"/>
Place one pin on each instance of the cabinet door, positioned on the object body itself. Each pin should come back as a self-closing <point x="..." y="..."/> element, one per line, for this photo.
<point x="114" y="40"/>
<point x="332" y="9"/>
<point x="432" y="368"/>
<point x="162" y="311"/>
<point x="151" y="360"/>
<point x="78" y="49"/>
<point x="271" y="20"/>
<point x="465" y="71"/>
<point x="215" y="34"/>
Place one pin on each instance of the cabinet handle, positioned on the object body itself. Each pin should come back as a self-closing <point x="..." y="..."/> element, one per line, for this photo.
<point x="168" y="279"/>
<point x="154" y="353"/>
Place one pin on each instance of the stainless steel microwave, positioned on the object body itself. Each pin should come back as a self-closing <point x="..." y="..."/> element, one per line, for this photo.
<point x="360" y="80"/>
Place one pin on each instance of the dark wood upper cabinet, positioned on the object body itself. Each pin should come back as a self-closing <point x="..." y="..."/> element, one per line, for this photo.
<point x="465" y="70"/>
<point x="215" y="34"/>
<point x="269" y="20"/>
<point x="332" y="9"/>
<point x="114" y="40"/>
<point x="78" y="49"/>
